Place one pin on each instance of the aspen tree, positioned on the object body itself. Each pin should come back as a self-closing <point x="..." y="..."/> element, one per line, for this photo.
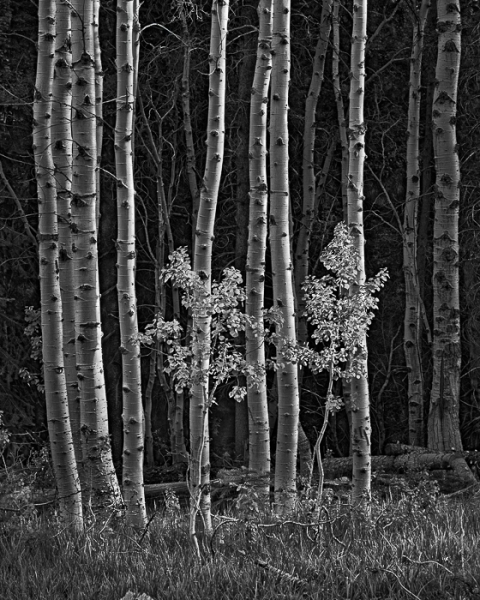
<point x="342" y="128"/>
<point x="443" y="419"/>
<point x="62" y="158"/>
<point x="337" y="89"/>
<point x="98" y="99"/>
<point x="246" y="75"/>
<point x="133" y="434"/>
<point x="287" y="379"/>
<point x="201" y="330"/>
<point x="360" y="401"/>
<point x="187" y="123"/>
<point x="302" y="249"/>
<point x="412" y="321"/>
<point x="97" y="457"/>
<point x="60" y="434"/>
<point x="259" y="431"/>
<point x="308" y="167"/>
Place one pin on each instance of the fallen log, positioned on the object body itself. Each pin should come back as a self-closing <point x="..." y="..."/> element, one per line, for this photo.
<point x="471" y="456"/>
<point x="152" y="491"/>
<point x="400" y="459"/>
<point x="405" y="462"/>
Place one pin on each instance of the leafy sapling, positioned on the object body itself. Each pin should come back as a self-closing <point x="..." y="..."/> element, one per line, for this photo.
<point x="224" y="304"/>
<point x="340" y="312"/>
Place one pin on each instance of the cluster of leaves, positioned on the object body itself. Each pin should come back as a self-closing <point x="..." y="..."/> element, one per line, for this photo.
<point x="222" y="307"/>
<point x="34" y="334"/>
<point x="338" y="307"/>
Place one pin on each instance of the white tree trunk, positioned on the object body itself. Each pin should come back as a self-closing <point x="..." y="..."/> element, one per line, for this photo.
<point x="288" y="393"/>
<point x="97" y="456"/>
<point x="259" y="431"/>
<point x="60" y="434"/>
<point x="133" y="430"/>
<point x="360" y="399"/>
<point x="201" y="330"/>
<point x="62" y="158"/>
<point x="443" y="419"/>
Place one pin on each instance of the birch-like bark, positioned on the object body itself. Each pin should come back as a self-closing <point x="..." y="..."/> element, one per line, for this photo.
<point x="137" y="30"/>
<point x="62" y="158"/>
<point x="98" y="99"/>
<point x="360" y="400"/>
<point x="443" y="419"/>
<point x="412" y="320"/>
<point x="257" y="402"/>
<point x="288" y="393"/>
<point x="133" y="438"/>
<point x="60" y="434"/>
<point x="308" y="167"/>
<point x="199" y="467"/>
<point x="97" y="457"/>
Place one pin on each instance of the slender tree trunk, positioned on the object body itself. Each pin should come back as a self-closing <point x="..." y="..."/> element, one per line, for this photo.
<point x="342" y="128"/>
<point x="62" y="158"/>
<point x="308" y="167"/>
<point x="471" y="275"/>
<point x="342" y="121"/>
<point x="302" y="250"/>
<point x="360" y="400"/>
<point x="257" y="402"/>
<point x="443" y="419"/>
<point x="175" y="399"/>
<point x="97" y="457"/>
<point x="98" y="99"/>
<point x="187" y="125"/>
<point x="246" y="73"/>
<point x="199" y="402"/>
<point x="137" y="29"/>
<point x="412" y="340"/>
<point x="288" y="393"/>
<point x="133" y="438"/>
<point x="60" y="434"/>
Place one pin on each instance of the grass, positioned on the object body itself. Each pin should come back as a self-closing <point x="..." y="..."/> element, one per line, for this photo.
<point x="413" y="545"/>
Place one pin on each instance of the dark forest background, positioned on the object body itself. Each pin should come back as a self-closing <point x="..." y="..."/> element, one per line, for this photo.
<point x="159" y="118"/>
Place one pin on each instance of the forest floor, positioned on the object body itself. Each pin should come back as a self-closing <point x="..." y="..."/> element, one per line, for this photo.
<point x="415" y="543"/>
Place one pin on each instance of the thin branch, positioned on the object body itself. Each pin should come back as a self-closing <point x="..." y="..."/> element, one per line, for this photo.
<point x="385" y="21"/>
<point x="15" y="198"/>
<point x="393" y="60"/>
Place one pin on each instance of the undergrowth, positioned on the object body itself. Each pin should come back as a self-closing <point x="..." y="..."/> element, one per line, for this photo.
<point x="413" y="544"/>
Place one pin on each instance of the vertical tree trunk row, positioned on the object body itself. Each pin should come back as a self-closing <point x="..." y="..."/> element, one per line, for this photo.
<point x="59" y="429"/>
<point x="62" y="158"/>
<point x="97" y="459"/>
